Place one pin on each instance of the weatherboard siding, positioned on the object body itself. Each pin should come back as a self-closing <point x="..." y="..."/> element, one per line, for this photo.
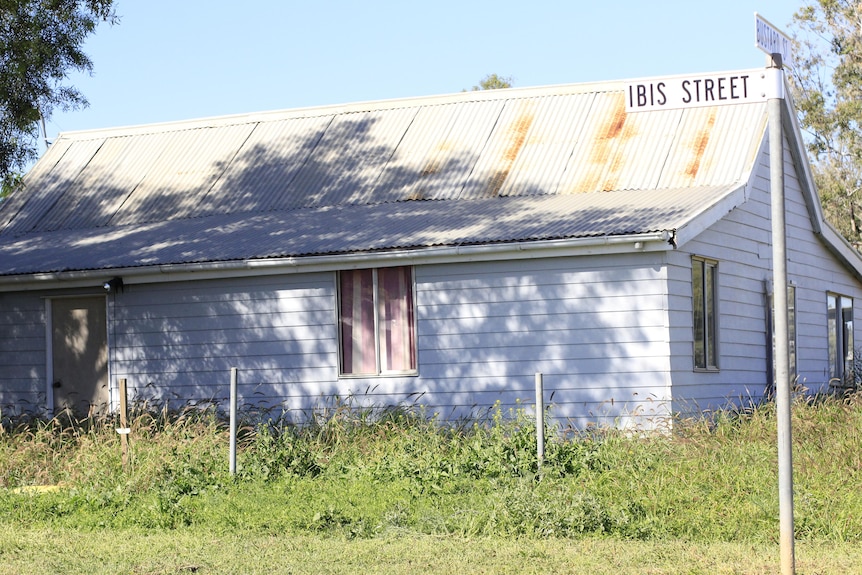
<point x="815" y="271"/>
<point x="595" y="327"/>
<point x="22" y="353"/>
<point x="176" y="342"/>
<point x="742" y="244"/>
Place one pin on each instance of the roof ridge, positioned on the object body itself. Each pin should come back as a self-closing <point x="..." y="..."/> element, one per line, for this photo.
<point x="347" y="108"/>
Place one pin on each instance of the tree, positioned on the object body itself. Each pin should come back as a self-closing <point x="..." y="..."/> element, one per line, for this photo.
<point x="494" y="82"/>
<point x="8" y="184"/>
<point x="827" y="88"/>
<point x="40" y="43"/>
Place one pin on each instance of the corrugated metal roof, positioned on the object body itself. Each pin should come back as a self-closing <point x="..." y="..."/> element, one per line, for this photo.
<point x="55" y="188"/>
<point x="553" y="154"/>
<point x="714" y="144"/>
<point x="185" y="166"/>
<point x="357" y="228"/>
<point x="260" y="175"/>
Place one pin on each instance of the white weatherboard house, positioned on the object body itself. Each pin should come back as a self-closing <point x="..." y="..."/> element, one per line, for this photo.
<point x="438" y="251"/>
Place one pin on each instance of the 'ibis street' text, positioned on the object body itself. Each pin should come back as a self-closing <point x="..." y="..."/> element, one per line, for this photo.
<point x="672" y="92"/>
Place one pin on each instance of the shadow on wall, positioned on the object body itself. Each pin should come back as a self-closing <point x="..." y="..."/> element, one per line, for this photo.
<point x="595" y="327"/>
<point x="22" y="354"/>
<point x="177" y="342"/>
<point x="596" y="332"/>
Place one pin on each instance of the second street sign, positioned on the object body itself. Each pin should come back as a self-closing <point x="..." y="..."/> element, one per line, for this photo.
<point x="698" y="90"/>
<point x="772" y="40"/>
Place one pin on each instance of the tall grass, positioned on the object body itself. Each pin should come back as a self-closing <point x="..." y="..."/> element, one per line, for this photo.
<point x="360" y="473"/>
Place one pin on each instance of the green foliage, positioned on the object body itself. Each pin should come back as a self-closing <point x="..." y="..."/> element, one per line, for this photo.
<point x="9" y="184"/>
<point x="494" y="82"/>
<point x="827" y="89"/>
<point x="279" y="450"/>
<point x="40" y="42"/>
<point x="359" y="473"/>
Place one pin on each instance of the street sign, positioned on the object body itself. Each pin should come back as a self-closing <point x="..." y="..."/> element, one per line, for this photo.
<point x="772" y="40"/>
<point x="698" y="90"/>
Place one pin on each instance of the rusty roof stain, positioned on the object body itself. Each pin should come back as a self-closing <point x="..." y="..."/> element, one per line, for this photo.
<point x="516" y="136"/>
<point x="701" y="139"/>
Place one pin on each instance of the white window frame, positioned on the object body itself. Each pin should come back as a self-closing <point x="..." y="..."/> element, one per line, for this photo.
<point x="792" y="340"/>
<point x="710" y="307"/>
<point x="840" y="352"/>
<point x="379" y="371"/>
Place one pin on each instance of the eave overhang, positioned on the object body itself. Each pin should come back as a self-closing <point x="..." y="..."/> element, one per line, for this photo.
<point x="663" y="240"/>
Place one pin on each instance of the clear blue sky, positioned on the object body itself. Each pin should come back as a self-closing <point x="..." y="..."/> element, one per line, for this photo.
<point x="183" y="59"/>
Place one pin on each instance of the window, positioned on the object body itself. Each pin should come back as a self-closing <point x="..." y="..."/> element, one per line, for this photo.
<point x="703" y="285"/>
<point x="791" y="330"/>
<point x="791" y="334"/>
<point x="840" y="321"/>
<point x="376" y="321"/>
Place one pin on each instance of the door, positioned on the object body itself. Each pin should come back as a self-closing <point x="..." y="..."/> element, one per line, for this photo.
<point x="79" y="341"/>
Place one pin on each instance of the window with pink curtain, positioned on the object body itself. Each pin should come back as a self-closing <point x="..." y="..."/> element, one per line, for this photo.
<point x="377" y="321"/>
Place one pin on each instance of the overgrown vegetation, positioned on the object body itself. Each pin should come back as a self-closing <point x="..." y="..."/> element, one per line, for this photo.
<point x="357" y="473"/>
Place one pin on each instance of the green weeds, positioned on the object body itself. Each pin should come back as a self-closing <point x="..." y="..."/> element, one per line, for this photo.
<point x="358" y="473"/>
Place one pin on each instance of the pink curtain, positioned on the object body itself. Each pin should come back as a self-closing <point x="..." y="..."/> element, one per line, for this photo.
<point x="357" y="322"/>
<point x="395" y="314"/>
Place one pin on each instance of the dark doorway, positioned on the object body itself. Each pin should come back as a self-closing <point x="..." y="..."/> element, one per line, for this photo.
<point x="80" y="354"/>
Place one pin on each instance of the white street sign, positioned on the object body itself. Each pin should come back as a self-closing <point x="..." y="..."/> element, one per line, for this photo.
<point x="772" y="40"/>
<point x="698" y="90"/>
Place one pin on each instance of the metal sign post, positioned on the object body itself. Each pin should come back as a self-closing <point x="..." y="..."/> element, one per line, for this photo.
<point x="782" y="348"/>
<point x="741" y="87"/>
<point x="777" y="46"/>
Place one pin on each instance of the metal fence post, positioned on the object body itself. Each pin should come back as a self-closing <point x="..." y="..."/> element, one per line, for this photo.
<point x="540" y="421"/>
<point x="124" y="422"/>
<point x="233" y="403"/>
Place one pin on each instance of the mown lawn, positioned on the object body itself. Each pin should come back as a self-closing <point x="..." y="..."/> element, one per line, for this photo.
<point x="38" y="552"/>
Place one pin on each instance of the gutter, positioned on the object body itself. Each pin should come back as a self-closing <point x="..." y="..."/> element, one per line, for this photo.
<point x="654" y="241"/>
